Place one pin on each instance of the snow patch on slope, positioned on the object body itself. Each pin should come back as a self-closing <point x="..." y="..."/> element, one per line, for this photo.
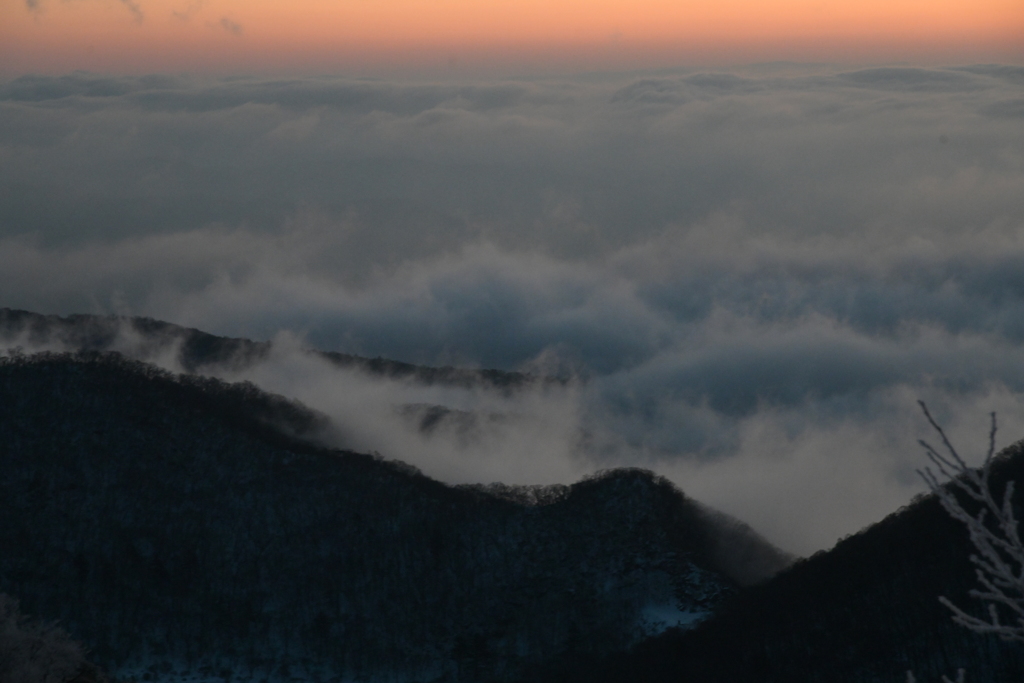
<point x="659" y="618"/>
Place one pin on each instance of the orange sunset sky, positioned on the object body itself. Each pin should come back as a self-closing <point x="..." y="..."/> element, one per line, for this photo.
<point x="133" y="36"/>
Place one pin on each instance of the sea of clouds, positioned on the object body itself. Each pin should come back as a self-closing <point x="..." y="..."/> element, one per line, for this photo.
<point x="750" y="276"/>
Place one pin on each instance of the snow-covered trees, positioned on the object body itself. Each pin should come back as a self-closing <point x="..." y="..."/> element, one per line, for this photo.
<point x="994" y="532"/>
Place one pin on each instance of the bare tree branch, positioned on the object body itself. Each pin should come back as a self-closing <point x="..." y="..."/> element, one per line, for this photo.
<point x="994" y="532"/>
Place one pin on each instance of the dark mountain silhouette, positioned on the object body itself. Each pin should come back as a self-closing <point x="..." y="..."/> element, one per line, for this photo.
<point x="867" y="610"/>
<point x="199" y="352"/>
<point x="178" y="523"/>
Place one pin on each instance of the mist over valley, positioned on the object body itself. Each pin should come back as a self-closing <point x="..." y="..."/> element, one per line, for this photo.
<point x="605" y="375"/>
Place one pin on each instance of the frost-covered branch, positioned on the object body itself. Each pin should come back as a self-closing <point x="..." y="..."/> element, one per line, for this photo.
<point x="999" y="554"/>
<point x="32" y="651"/>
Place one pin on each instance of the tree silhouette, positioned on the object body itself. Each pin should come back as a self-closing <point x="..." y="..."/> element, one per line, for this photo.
<point x="33" y="651"/>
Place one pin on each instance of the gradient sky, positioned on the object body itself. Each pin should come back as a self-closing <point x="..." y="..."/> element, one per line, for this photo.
<point x="135" y="36"/>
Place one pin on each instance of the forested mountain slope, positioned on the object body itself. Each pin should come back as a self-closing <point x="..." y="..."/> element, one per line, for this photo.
<point x="865" y="611"/>
<point x="179" y="523"/>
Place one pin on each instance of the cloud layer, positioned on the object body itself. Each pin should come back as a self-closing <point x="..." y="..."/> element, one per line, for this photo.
<point x="753" y="274"/>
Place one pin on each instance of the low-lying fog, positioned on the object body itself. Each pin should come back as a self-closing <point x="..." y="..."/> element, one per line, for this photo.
<point x="749" y="277"/>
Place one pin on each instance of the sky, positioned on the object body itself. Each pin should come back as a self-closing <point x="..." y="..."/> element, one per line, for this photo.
<point x="753" y="234"/>
<point x="374" y="37"/>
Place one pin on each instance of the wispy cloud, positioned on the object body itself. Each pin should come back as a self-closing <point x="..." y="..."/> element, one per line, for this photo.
<point x="231" y="26"/>
<point x="135" y="9"/>
<point x="190" y="10"/>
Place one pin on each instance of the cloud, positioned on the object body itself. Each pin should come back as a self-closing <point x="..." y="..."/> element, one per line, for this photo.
<point x="189" y="10"/>
<point x="1013" y="108"/>
<point x="135" y="9"/>
<point x="231" y="26"/>
<point x="913" y="80"/>
<point x="652" y="91"/>
<point x="752" y="274"/>
<point x="816" y="410"/>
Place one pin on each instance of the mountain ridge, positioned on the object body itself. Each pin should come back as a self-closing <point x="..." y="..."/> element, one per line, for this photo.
<point x="164" y="519"/>
<point x="197" y="351"/>
<point x="866" y="610"/>
<point x="618" y="577"/>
